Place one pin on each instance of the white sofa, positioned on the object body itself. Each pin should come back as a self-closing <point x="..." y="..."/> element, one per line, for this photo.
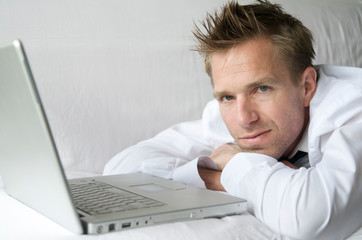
<point x="112" y="73"/>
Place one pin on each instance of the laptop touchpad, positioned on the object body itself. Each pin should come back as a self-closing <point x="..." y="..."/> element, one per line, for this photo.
<point x="151" y="187"/>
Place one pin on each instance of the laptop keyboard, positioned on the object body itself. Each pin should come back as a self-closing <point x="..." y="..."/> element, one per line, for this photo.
<point x="101" y="198"/>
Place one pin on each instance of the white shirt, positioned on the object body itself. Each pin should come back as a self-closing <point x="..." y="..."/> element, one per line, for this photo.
<point x="323" y="201"/>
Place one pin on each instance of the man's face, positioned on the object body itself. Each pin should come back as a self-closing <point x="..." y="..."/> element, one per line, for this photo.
<point x="264" y="110"/>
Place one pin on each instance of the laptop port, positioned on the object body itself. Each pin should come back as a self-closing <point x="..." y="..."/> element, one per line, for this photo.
<point x="126" y="225"/>
<point x="111" y="227"/>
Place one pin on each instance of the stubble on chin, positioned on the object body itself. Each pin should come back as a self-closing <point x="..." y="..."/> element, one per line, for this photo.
<point x="274" y="151"/>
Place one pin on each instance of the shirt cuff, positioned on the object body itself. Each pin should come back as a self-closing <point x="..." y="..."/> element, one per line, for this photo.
<point x="238" y="167"/>
<point x="189" y="174"/>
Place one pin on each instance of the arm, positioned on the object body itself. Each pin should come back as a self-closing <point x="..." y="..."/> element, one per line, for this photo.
<point x="162" y="154"/>
<point x="175" y="152"/>
<point x="304" y="203"/>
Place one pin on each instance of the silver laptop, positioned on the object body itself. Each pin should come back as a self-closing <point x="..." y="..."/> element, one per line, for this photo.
<point x="32" y="172"/>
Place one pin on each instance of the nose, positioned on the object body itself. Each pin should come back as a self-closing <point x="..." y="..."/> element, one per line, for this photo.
<point x="246" y="113"/>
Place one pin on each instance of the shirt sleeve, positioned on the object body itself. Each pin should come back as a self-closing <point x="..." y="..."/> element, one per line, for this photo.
<point x="175" y="152"/>
<point x="305" y="203"/>
<point x="189" y="174"/>
<point x="162" y="154"/>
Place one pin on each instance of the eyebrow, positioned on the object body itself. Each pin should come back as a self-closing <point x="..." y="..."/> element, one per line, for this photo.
<point x="264" y="81"/>
<point x="267" y="81"/>
<point x="219" y="94"/>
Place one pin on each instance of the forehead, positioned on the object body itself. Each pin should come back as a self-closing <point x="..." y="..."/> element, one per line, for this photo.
<point x="247" y="61"/>
<point x="252" y="54"/>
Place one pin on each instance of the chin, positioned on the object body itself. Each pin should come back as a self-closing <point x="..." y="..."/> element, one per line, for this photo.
<point x="268" y="152"/>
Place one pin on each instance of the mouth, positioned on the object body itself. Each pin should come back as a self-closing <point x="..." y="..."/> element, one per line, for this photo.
<point x="255" y="138"/>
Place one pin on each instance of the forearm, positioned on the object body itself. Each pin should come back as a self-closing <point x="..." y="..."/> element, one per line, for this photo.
<point x="304" y="203"/>
<point x="175" y="151"/>
<point x="276" y="194"/>
<point x="162" y="154"/>
<point x="144" y="157"/>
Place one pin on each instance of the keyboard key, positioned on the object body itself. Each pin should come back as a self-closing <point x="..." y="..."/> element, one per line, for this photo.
<point x="100" y="198"/>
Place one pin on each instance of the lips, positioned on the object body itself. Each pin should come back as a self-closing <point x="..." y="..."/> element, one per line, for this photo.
<point x="255" y="135"/>
<point x="256" y="139"/>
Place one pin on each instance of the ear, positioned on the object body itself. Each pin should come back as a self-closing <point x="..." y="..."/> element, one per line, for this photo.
<point x="309" y="84"/>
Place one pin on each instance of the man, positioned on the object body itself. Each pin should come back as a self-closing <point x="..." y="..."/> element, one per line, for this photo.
<point x="271" y="105"/>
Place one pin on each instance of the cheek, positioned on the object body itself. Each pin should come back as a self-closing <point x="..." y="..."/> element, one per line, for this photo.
<point x="291" y="118"/>
<point x="229" y="118"/>
<point x="286" y="113"/>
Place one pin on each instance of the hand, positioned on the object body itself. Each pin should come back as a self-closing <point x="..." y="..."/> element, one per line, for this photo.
<point x="211" y="179"/>
<point x="223" y="154"/>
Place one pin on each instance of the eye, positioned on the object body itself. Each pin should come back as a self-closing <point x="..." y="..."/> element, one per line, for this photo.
<point x="263" y="89"/>
<point x="227" y="98"/>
